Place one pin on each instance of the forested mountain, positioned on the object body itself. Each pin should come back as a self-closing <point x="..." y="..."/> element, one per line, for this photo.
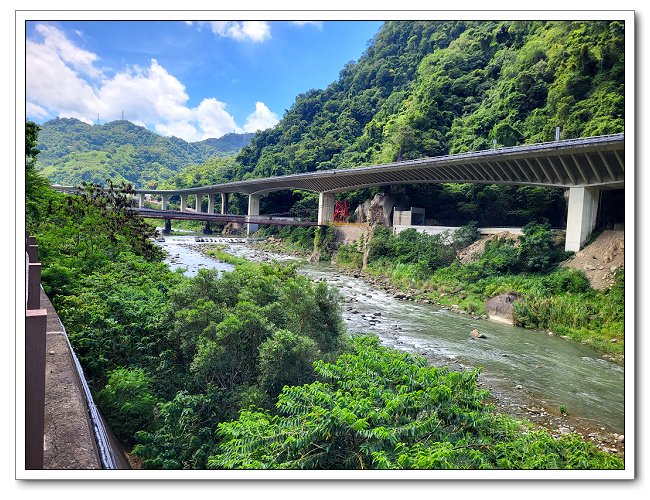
<point x="429" y="88"/>
<point x="73" y="151"/>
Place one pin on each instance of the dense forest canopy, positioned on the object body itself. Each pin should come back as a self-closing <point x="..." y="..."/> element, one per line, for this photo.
<point x="421" y="88"/>
<point x="428" y="88"/>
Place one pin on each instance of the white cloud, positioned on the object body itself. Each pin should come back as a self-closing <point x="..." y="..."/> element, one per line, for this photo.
<point x="184" y="130"/>
<point x="214" y="120"/>
<point x="61" y="80"/>
<point x="261" y="119"/>
<point x="318" y="24"/>
<point x="253" y="31"/>
<point x="146" y="94"/>
<point x="81" y="60"/>
<point x="52" y="84"/>
<point x="35" y="110"/>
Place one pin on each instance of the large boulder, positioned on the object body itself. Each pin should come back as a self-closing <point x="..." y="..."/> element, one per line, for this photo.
<point x="475" y="334"/>
<point x="499" y="308"/>
<point x="379" y="210"/>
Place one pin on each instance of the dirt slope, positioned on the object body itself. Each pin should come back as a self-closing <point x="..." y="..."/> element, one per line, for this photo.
<point x="474" y="251"/>
<point x="600" y="259"/>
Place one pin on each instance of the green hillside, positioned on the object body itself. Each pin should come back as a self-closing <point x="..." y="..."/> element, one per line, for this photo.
<point x="432" y="88"/>
<point x="73" y="151"/>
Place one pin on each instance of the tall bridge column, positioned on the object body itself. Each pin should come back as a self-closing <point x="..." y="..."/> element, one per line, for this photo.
<point x="199" y="197"/>
<point x="168" y="227"/>
<point x="581" y="216"/>
<point x="253" y="210"/>
<point x="183" y="202"/>
<point x="224" y="203"/>
<point x="141" y="200"/>
<point x="210" y="203"/>
<point x="325" y="207"/>
<point x="165" y="201"/>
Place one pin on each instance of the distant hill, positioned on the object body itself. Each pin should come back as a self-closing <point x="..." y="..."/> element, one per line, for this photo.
<point x="73" y="152"/>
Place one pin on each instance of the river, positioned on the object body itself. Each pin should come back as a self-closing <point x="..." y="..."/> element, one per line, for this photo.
<point x="530" y="373"/>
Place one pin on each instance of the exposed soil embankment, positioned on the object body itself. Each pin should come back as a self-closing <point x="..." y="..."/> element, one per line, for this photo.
<point x="601" y="258"/>
<point x="474" y="251"/>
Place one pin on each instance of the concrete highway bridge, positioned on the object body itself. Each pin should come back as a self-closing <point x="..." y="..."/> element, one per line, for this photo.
<point x="583" y="166"/>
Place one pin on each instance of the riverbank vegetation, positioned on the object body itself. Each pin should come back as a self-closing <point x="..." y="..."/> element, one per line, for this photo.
<point x="378" y="408"/>
<point x="254" y="368"/>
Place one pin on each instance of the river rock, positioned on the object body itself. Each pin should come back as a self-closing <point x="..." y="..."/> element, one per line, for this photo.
<point x="499" y="308"/>
<point x="475" y="334"/>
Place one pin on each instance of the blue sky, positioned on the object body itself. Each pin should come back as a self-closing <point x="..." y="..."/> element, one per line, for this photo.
<point x="193" y="80"/>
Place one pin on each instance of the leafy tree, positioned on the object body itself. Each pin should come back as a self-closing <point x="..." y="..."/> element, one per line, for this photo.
<point x="538" y="251"/>
<point x="286" y="359"/>
<point x="37" y="196"/>
<point x="228" y="353"/>
<point x="184" y="433"/>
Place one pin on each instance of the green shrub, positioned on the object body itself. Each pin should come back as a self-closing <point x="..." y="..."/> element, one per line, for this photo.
<point x="465" y="235"/>
<point x="350" y="256"/>
<point x="565" y="279"/>
<point x="128" y="402"/>
<point x="379" y="408"/>
<point x="286" y="358"/>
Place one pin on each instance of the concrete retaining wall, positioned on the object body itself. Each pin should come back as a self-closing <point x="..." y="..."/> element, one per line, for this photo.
<point x="442" y="229"/>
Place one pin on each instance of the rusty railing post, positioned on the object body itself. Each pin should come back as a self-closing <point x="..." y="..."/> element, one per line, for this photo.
<point x="35" y="327"/>
<point x="35" y="345"/>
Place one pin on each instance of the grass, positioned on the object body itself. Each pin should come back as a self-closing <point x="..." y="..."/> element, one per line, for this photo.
<point x="218" y="252"/>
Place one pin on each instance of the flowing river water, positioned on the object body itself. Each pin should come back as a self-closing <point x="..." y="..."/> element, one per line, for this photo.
<point x="530" y="373"/>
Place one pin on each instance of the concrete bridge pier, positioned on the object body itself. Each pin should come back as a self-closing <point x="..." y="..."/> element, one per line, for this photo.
<point x="197" y="206"/>
<point x="581" y="216"/>
<point x="224" y="203"/>
<point x="165" y="201"/>
<point x="183" y="203"/>
<point x="206" y="228"/>
<point x="325" y="208"/>
<point x="210" y="203"/>
<point x="141" y="200"/>
<point x="168" y="227"/>
<point x="253" y="211"/>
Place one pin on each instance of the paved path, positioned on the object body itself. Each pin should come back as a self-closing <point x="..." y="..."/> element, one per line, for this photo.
<point x="69" y="440"/>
